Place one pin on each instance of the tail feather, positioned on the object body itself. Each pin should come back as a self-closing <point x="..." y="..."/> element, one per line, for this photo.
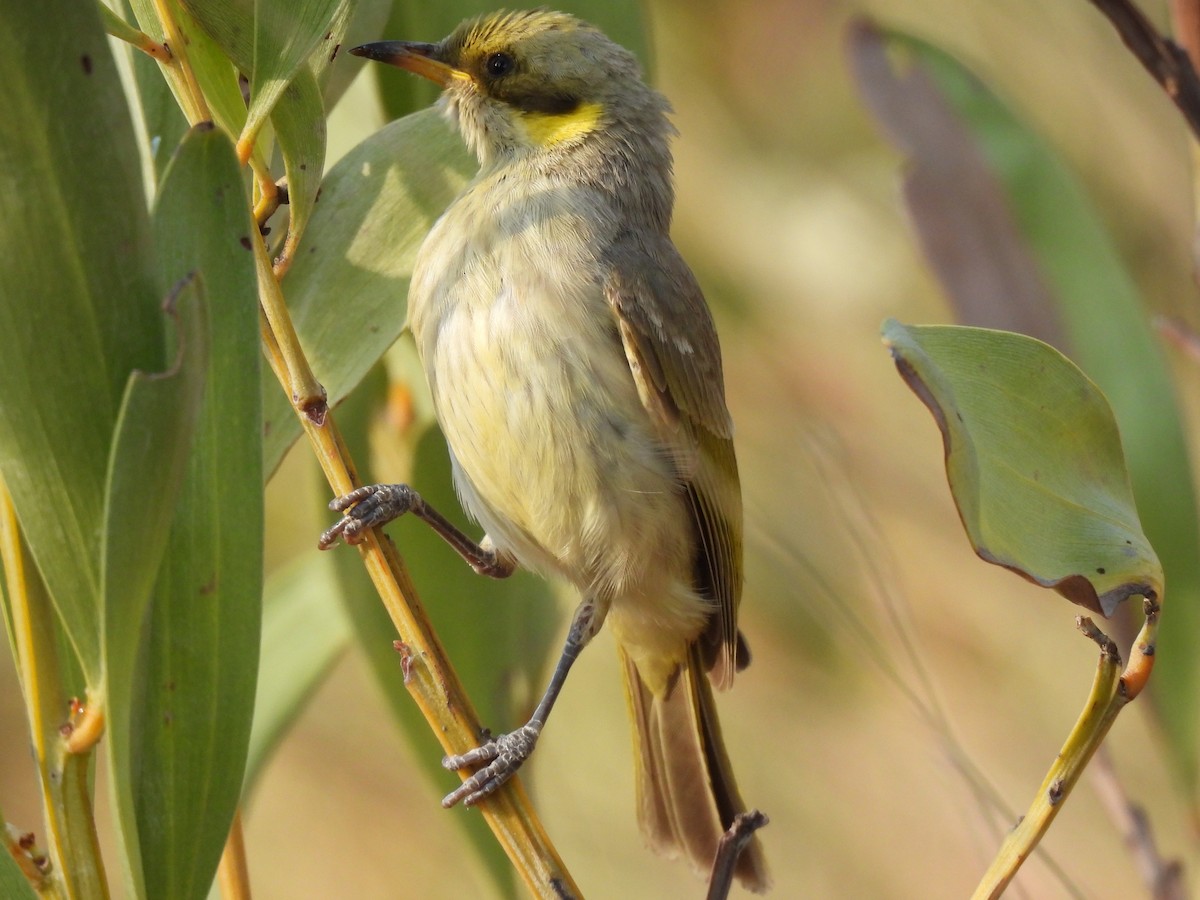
<point x="686" y="793"/>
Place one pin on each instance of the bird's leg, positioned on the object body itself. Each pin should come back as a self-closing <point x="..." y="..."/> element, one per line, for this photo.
<point x="504" y="754"/>
<point x="377" y="504"/>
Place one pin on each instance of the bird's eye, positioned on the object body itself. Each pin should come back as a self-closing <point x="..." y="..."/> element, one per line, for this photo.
<point x="500" y="64"/>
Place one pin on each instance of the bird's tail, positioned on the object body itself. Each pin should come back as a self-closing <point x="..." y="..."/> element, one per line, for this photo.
<point x="686" y="793"/>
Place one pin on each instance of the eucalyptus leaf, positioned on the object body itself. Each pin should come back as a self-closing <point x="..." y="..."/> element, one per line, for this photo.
<point x="13" y="883"/>
<point x="286" y="34"/>
<point x="1105" y="327"/>
<point x="212" y="66"/>
<point x="150" y="449"/>
<point x="1034" y="461"/>
<point x="348" y="287"/>
<point x="194" y="699"/>
<point x="50" y="676"/>
<point x="78" y="272"/>
<point x="270" y="40"/>
<point x="368" y="22"/>
<point x="300" y="131"/>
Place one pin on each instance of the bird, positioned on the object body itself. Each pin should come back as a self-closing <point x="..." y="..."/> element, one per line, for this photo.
<point x="576" y="374"/>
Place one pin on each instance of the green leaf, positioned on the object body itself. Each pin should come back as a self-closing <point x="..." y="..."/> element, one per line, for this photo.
<point x="1108" y="333"/>
<point x="13" y="884"/>
<point x="283" y="52"/>
<point x="304" y="632"/>
<point x="163" y="122"/>
<point x="230" y="24"/>
<point x="299" y="121"/>
<point x="1034" y="461"/>
<point x="348" y="287"/>
<point x="270" y="40"/>
<point x="50" y="676"/>
<point x="194" y="695"/>
<point x="79" y="240"/>
<point x="146" y="468"/>
<point x="215" y="73"/>
<point x="286" y="34"/>
<point x="368" y="23"/>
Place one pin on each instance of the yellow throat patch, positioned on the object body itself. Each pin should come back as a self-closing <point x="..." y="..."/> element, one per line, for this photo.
<point x="548" y="129"/>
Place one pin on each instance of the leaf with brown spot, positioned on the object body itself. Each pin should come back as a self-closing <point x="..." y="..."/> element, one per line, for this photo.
<point x="1034" y="461"/>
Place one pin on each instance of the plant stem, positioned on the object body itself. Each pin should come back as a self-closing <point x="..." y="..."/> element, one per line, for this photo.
<point x="431" y="681"/>
<point x="1111" y="690"/>
<point x="233" y="874"/>
<point x="78" y="868"/>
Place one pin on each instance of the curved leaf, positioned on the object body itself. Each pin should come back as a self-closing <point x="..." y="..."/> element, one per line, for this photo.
<point x="368" y="23"/>
<point x="194" y="698"/>
<point x="215" y="73"/>
<point x="146" y="465"/>
<point x="270" y="40"/>
<point x="77" y="275"/>
<point x="348" y="287"/>
<point x="300" y="130"/>
<point x="1034" y="461"/>
<point x="286" y="34"/>
<point x="1105" y="327"/>
<point x="13" y="883"/>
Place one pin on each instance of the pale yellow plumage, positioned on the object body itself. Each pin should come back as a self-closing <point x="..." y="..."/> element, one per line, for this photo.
<point x="576" y="374"/>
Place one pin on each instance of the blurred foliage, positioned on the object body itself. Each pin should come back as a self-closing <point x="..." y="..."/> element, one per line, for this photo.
<point x="868" y="615"/>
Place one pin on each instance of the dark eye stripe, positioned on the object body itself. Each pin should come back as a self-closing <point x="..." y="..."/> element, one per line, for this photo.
<point x="554" y="104"/>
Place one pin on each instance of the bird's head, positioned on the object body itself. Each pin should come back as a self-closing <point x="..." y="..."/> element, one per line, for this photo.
<point x="528" y="82"/>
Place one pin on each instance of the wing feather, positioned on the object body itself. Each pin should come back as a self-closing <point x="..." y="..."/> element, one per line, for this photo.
<point x="673" y="353"/>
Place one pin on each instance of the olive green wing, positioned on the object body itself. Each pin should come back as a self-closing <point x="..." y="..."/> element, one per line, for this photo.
<point x="672" y="348"/>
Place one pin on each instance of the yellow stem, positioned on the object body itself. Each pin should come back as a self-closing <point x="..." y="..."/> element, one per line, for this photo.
<point x="233" y="875"/>
<point x="431" y="680"/>
<point x="1111" y="690"/>
<point x="191" y="98"/>
<point x="78" y="868"/>
<point x="268" y="191"/>
<point x="123" y="31"/>
<point x="305" y="392"/>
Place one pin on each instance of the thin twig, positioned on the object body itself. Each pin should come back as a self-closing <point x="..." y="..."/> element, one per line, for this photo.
<point x="74" y="848"/>
<point x="730" y="847"/>
<point x="1185" y="17"/>
<point x="1165" y="60"/>
<point x="233" y="873"/>
<point x="1112" y="689"/>
<point x="1163" y="877"/>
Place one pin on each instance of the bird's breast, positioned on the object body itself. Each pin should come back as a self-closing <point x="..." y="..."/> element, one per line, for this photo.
<point x="554" y="453"/>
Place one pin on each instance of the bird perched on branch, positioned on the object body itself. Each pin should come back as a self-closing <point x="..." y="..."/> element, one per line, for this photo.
<point x="576" y="374"/>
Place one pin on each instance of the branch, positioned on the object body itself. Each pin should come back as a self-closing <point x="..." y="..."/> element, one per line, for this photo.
<point x="1165" y="60"/>
<point x="730" y="847"/>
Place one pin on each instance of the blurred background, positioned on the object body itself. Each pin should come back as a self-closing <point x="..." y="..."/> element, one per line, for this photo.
<point x="865" y="605"/>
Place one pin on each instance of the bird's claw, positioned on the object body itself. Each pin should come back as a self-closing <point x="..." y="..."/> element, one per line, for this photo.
<point x="502" y="756"/>
<point x="367" y="507"/>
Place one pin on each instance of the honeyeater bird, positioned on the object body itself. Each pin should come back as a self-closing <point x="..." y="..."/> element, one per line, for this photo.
<point x="576" y="374"/>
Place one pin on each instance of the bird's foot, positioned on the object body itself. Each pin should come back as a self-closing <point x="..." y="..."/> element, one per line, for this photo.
<point x="369" y="506"/>
<point x="503" y="755"/>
